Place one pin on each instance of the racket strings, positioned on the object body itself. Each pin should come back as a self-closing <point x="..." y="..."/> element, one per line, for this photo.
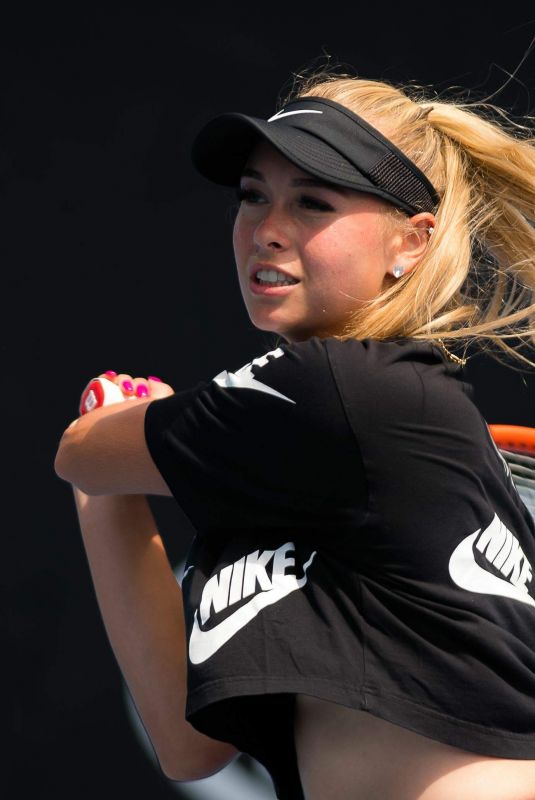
<point x="522" y="469"/>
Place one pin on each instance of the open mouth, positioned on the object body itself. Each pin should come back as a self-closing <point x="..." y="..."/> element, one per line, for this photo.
<point x="259" y="286"/>
<point x="271" y="276"/>
<point x="278" y="282"/>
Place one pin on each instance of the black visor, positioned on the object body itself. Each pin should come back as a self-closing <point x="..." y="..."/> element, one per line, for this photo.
<point x="323" y="138"/>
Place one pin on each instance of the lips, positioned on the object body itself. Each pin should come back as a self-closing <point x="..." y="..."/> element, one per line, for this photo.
<point x="263" y="265"/>
<point x="271" y="289"/>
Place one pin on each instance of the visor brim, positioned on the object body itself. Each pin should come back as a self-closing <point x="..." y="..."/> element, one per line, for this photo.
<point x="222" y="147"/>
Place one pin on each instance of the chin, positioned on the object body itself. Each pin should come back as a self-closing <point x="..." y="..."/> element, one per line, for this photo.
<point x="288" y="332"/>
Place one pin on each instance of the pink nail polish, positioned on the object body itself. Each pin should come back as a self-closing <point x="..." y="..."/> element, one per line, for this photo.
<point x="154" y="378"/>
<point x="128" y="386"/>
<point x="111" y="373"/>
<point x="142" y="391"/>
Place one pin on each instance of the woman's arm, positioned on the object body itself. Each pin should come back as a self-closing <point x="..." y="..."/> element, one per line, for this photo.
<point x="141" y="605"/>
<point x="105" y="452"/>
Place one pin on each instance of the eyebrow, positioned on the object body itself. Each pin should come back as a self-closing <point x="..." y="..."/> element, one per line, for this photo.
<point x="247" y="172"/>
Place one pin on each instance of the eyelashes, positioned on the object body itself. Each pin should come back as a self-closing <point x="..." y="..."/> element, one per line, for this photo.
<point x="245" y="194"/>
<point x="251" y="196"/>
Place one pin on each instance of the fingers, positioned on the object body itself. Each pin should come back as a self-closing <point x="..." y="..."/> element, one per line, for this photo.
<point x="159" y="389"/>
<point x="131" y="387"/>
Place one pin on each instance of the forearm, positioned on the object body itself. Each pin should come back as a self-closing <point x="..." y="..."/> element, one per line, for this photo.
<point x="104" y="452"/>
<point x="141" y="606"/>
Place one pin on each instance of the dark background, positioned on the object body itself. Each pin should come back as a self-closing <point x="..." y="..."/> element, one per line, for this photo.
<point x="117" y="255"/>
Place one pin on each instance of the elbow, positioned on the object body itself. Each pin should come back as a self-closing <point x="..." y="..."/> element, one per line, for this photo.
<point x="186" y="774"/>
<point x="66" y="466"/>
<point x="200" y="765"/>
<point x="62" y="463"/>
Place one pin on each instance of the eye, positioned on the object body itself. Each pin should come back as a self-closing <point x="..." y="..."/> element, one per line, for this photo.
<point x="249" y="195"/>
<point x="312" y="202"/>
<point x="253" y="197"/>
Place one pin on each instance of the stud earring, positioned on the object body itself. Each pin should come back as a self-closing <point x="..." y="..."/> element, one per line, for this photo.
<point x="398" y="271"/>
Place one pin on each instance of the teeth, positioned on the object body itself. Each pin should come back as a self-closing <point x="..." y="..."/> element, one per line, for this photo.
<point x="273" y="276"/>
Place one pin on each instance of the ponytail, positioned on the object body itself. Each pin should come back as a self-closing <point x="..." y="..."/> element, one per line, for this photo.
<point x="476" y="280"/>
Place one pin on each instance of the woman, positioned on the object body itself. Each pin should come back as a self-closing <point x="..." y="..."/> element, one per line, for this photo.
<point x="359" y="613"/>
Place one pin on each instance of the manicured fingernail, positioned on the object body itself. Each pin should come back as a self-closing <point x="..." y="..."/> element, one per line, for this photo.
<point x="142" y="390"/>
<point x="128" y="386"/>
<point x="111" y="373"/>
<point x="154" y="378"/>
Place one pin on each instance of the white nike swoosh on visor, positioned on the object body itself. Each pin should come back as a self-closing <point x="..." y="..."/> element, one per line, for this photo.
<point x="203" y="644"/>
<point x="280" y="114"/>
<point x="466" y="573"/>
<point x="244" y="378"/>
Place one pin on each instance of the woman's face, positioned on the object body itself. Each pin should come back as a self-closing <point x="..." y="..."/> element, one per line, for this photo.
<point x="333" y="240"/>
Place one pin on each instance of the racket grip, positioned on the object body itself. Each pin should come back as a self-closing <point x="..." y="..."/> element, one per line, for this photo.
<point x="100" y="392"/>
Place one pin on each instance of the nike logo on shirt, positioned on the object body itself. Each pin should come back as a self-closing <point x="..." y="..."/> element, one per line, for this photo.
<point x="233" y="583"/>
<point x="243" y="378"/>
<point x="501" y="549"/>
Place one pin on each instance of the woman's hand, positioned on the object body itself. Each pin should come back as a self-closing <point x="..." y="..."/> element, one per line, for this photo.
<point x="104" y="451"/>
<point x="125" y="387"/>
<point x="139" y="387"/>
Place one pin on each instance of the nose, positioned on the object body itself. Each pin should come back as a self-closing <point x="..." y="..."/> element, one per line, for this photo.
<point x="273" y="230"/>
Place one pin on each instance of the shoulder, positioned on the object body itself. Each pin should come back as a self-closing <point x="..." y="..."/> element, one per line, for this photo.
<point x="290" y="358"/>
<point x="269" y="430"/>
<point x="329" y="357"/>
<point x="380" y="362"/>
<point x="291" y="374"/>
<point x="400" y="363"/>
<point x="398" y="376"/>
<point x="383" y="353"/>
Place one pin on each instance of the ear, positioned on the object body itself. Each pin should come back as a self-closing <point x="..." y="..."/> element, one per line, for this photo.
<point x="410" y="244"/>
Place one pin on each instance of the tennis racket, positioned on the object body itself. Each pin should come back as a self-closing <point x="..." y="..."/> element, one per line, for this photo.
<point x="100" y="392"/>
<point x="516" y="443"/>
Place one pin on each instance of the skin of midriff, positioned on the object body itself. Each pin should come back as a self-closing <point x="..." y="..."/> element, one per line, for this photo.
<point x="346" y="754"/>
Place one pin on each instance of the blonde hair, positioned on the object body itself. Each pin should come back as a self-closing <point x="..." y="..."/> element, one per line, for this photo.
<point x="476" y="280"/>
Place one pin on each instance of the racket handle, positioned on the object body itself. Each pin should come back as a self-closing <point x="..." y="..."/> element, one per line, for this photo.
<point x="100" y="392"/>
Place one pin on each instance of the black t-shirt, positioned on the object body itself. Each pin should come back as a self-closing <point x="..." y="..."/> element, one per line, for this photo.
<point x="359" y="539"/>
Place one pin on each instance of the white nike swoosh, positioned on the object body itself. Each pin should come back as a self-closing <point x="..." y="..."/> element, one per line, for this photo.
<point x="244" y="378"/>
<point x="466" y="573"/>
<point x="280" y="114"/>
<point x="203" y="644"/>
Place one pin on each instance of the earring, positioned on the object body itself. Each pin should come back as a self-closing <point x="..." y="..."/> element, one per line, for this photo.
<point x="398" y="271"/>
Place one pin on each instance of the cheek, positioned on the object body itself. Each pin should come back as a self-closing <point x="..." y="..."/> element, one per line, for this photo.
<point x="337" y="251"/>
<point x="349" y="259"/>
<point x="345" y="243"/>
<point x="236" y="237"/>
<point x="242" y="239"/>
